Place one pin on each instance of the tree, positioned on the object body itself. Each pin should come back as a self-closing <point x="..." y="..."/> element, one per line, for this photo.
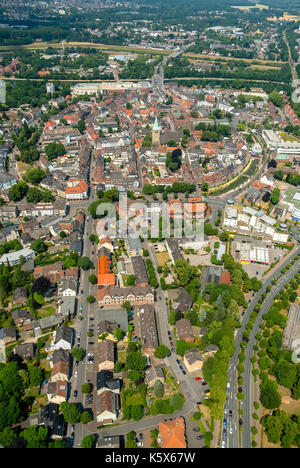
<point x="130" y="440"/>
<point x="35" y="436"/>
<point x="118" y="334"/>
<point x="85" y="263"/>
<point x="34" y="176"/>
<point x="86" y="388"/>
<point x="181" y="347"/>
<point x="162" y="351"/>
<point x="77" y="353"/>
<point x="93" y="279"/>
<point x="285" y="373"/>
<point x="118" y="367"/>
<point x="7" y="436"/>
<point x="86" y="417"/>
<point x="88" y="441"/>
<point x="36" y="376"/>
<point x="91" y="299"/>
<point x="136" y="361"/>
<point x="54" y="150"/>
<point x="38" y="246"/>
<point x="269" y="395"/>
<point x="130" y="280"/>
<point x="41" y="285"/>
<point x="71" y="412"/>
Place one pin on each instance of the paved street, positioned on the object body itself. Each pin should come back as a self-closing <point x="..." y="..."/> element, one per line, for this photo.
<point x="232" y="440"/>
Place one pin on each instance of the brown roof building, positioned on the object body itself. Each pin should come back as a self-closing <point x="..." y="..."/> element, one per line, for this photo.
<point x="148" y="329"/>
<point x="106" y="350"/>
<point x="184" y="330"/>
<point x="172" y="433"/>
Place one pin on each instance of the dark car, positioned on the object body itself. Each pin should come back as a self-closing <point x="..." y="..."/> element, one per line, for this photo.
<point x="200" y="437"/>
<point x="224" y="432"/>
<point x="91" y="343"/>
<point x="169" y="333"/>
<point x="183" y="372"/>
<point x="75" y="394"/>
<point x="141" y="436"/>
<point x="177" y="360"/>
<point x="92" y="318"/>
<point x="204" y="383"/>
<point x="196" y="429"/>
<point x="82" y="291"/>
<point x="230" y="413"/>
<point x="76" y="363"/>
<point x="199" y="403"/>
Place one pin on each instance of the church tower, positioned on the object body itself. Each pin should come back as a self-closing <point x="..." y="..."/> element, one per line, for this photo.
<point x="156" y="133"/>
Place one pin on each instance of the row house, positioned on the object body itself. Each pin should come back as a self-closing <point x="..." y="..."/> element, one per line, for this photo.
<point x="135" y="295"/>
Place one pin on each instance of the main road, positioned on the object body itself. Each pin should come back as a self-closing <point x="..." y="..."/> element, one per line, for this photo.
<point x="232" y="440"/>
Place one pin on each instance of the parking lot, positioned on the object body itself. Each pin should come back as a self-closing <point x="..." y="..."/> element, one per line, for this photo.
<point x="195" y="439"/>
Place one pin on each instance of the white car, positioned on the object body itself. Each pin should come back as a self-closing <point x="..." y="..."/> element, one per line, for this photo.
<point x="76" y="374"/>
<point x="230" y="430"/>
<point x="223" y="444"/>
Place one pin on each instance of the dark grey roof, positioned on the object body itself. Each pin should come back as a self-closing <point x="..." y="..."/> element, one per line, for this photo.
<point x="64" y="333"/>
<point x="105" y="381"/>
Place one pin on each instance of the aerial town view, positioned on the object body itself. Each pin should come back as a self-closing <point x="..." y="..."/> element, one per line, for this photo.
<point x="149" y="226"/>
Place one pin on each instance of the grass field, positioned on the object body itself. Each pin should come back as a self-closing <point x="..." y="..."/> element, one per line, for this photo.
<point x="162" y="258"/>
<point x="247" y="8"/>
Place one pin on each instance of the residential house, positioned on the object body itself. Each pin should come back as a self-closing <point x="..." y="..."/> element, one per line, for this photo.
<point x="109" y="442"/>
<point x="106" y="350"/>
<point x="22" y="317"/>
<point x="48" y="417"/>
<point x="120" y="295"/>
<point x="193" y="360"/>
<point x="140" y="271"/>
<point x="153" y="374"/>
<point x="64" y="338"/>
<point x="25" y="351"/>
<point x="57" y="392"/>
<point x="20" y="295"/>
<point x="148" y="330"/>
<point x="106" y="382"/>
<point x="8" y="335"/>
<point x="67" y="307"/>
<point x="172" y="434"/>
<point x="67" y="288"/>
<point x="184" y="330"/>
<point x="60" y="371"/>
<point x="210" y="350"/>
<point x="108" y="407"/>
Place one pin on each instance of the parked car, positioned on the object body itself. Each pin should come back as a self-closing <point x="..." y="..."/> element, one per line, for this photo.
<point x="197" y="378"/>
<point x="230" y="413"/>
<point x="76" y="374"/>
<point x="75" y="394"/>
<point x="76" y="363"/>
<point x="183" y="372"/>
<point x="200" y="437"/>
<point x="141" y="436"/>
<point x="91" y="343"/>
<point x="177" y="360"/>
<point x="180" y="367"/>
<point x="196" y="429"/>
